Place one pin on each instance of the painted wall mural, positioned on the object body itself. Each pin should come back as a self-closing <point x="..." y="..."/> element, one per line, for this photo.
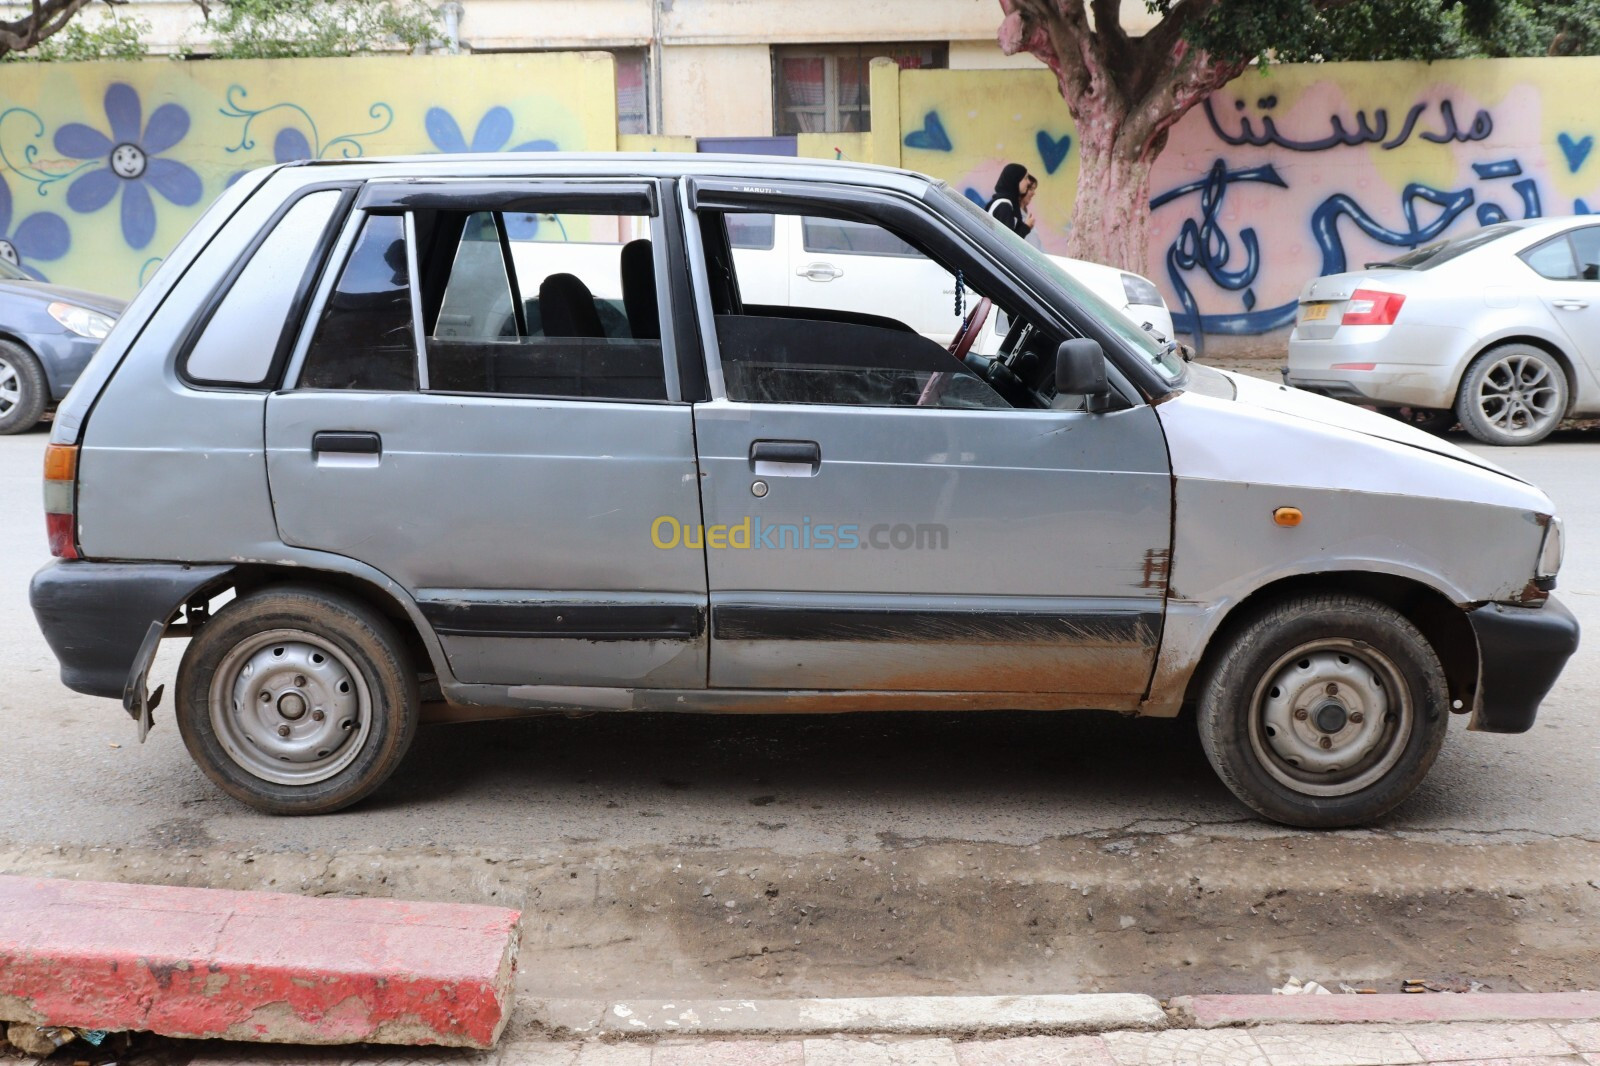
<point x="103" y="166"/>
<point x="1282" y="176"/>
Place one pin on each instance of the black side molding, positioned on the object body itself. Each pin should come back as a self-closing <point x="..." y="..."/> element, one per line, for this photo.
<point x="547" y="619"/>
<point x="96" y="615"/>
<point x="1521" y="651"/>
<point x="735" y="621"/>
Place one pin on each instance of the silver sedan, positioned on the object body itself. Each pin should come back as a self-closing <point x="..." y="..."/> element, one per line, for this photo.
<point x="1498" y="329"/>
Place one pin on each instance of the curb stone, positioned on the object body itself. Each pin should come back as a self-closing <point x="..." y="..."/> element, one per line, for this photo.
<point x="890" y="1015"/>
<point x="1215" y="1012"/>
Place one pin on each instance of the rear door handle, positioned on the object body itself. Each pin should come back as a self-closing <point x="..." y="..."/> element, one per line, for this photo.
<point x="1571" y="305"/>
<point x="785" y="458"/>
<point x="348" y="441"/>
<point x="343" y="447"/>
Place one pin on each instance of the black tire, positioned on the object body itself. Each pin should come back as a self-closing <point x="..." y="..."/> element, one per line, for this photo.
<point x="329" y="670"/>
<point x="1266" y="707"/>
<point x="1513" y="394"/>
<point x="24" y="390"/>
<point x="1424" y="418"/>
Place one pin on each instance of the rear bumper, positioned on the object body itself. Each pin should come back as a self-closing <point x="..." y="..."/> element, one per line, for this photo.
<point x="1521" y="652"/>
<point x="95" y="616"/>
<point x="1412" y="366"/>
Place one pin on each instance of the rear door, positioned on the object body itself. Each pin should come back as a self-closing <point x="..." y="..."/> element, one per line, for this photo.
<point x="1569" y="287"/>
<point x="470" y="418"/>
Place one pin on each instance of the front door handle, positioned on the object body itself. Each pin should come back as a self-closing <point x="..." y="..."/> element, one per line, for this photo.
<point x="785" y="458"/>
<point x="820" y="272"/>
<point x="1571" y="305"/>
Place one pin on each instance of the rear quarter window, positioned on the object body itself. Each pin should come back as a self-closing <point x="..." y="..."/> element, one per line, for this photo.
<point x="240" y="342"/>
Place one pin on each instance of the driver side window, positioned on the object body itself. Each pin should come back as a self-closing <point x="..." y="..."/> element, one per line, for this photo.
<point x="840" y="311"/>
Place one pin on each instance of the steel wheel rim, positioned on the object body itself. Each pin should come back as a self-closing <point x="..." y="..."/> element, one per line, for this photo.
<point x="290" y="707"/>
<point x="1519" y="396"/>
<point x="1321" y="685"/>
<point x="10" y="386"/>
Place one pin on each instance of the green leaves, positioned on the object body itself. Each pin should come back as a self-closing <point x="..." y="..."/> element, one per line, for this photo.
<point x="1301" y="31"/>
<point x="285" y="29"/>
<point x="113" y="37"/>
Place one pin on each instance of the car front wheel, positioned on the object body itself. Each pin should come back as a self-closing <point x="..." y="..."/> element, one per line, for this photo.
<point x="1513" y="394"/>
<point x="297" y="701"/>
<point x="1324" y="711"/>
<point x="23" y="389"/>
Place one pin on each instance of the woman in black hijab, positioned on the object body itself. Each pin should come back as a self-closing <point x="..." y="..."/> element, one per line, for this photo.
<point x="1007" y="202"/>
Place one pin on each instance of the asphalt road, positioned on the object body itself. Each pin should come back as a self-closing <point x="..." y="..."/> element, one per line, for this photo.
<point x="660" y="791"/>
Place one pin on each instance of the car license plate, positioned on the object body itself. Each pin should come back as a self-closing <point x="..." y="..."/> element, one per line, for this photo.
<point x="1314" y="312"/>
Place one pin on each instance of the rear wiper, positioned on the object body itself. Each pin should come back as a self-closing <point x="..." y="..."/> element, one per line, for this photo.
<point x="1381" y="266"/>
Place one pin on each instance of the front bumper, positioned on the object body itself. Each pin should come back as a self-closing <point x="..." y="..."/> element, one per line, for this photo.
<point x="1521" y="651"/>
<point x="96" y="616"/>
<point x="63" y="356"/>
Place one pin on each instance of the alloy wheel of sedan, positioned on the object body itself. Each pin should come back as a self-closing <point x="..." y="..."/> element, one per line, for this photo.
<point x="1514" y="394"/>
<point x="23" y="389"/>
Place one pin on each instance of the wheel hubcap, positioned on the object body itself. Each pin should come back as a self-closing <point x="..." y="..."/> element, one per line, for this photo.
<point x="290" y="708"/>
<point x="1519" y="395"/>
<point x="10" y="386"/>
<point x="1331" y="718"/>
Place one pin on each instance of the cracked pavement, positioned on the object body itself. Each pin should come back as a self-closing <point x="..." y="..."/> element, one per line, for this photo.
<point x="882" y="854"/>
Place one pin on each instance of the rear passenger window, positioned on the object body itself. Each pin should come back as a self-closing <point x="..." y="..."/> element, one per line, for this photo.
<point x="1586" y="247"/>
<point x="240" y="341"/>
<point x="365" y="338"/>
<point x="561" y="305"/>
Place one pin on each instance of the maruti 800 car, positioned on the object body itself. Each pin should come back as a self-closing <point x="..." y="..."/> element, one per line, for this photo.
<point x="370" y="443"/>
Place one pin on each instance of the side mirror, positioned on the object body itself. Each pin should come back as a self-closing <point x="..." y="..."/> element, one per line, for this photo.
<point x="1081" y="371"/>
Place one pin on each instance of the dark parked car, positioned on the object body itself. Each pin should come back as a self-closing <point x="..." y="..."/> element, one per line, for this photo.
<point x="47" y="334"/>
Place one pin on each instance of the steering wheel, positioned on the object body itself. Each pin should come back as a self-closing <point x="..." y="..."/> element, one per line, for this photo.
<point x="967" y="335"/>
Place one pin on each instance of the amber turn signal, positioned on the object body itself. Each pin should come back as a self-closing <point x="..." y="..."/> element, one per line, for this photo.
<point x="1287" y="516"/>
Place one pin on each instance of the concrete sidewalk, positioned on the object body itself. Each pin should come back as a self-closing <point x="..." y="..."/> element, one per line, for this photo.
<point x="1519" y="1044"/>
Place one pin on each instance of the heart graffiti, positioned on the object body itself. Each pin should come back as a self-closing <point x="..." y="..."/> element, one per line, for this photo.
<point x="931" y="137"/>
<point x="1053" y="150"/>
<point x="1575" y="151"/>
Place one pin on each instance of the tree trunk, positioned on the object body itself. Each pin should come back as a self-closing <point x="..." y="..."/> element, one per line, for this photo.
<point x="1111" y="217"/>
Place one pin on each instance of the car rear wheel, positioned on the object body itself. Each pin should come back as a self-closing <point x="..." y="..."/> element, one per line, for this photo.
<point x="1324" y="711"/>
<point x="23" y="389"/>
<point x="1513" y="394"/>
<point x="297" y="701"/>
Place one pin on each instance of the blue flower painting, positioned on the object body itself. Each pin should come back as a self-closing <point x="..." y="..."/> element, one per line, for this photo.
<point x="132" y="166"/>
<point x="42" y="236"/>
<point x="492" y="134"/>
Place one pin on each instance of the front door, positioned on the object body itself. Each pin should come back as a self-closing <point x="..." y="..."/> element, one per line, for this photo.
<point x="483" y="411"/>
<point x="878" y="518"/>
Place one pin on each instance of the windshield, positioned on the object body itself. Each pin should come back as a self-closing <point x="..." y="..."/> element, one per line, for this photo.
<point x="1431" y="255"/>
<point x="11" y="272"/>
<point x="1162" y="355"/>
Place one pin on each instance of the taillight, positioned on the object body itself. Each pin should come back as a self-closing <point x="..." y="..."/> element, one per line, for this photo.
<point x="1369" y="307"/>
<point x="60" y="499"/>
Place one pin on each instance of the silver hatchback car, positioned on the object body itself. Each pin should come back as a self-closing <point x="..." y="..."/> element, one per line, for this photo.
<point x="480" y="437"/>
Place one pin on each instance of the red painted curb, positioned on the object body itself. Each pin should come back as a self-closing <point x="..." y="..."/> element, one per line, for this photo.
<point x="200" y="962"/>
<point x="1211" y="1012"/>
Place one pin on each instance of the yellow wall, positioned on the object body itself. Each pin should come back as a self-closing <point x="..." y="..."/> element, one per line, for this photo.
<point x="1282" y="176"/>
<point x="76" y="210"/>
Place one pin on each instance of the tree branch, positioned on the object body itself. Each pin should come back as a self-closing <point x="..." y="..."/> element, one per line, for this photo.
<point x="46" y="18"/>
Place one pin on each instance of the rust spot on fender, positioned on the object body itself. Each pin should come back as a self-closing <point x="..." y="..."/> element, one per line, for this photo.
<point x="1157" y="568"/>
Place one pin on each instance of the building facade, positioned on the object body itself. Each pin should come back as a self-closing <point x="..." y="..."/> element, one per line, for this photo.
<point x="722" y="70"/>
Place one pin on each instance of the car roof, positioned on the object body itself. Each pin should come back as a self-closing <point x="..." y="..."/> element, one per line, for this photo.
<point x="623" y="165"/>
